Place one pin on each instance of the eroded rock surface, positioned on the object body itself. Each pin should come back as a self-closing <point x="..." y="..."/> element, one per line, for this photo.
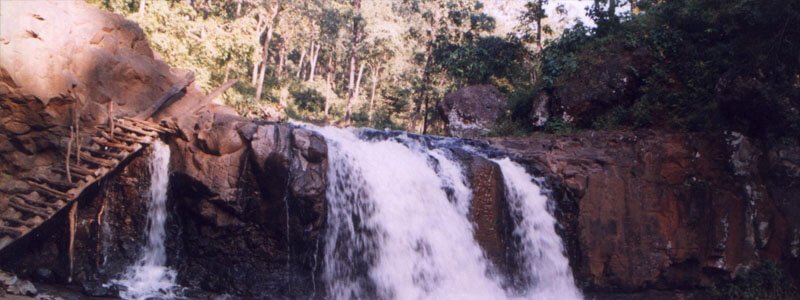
<point x="667" y="211"/>
<point x="472" y="111"/>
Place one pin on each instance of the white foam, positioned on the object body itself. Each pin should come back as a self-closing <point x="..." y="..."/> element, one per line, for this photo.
<point x="398" y="227"/>
<point x="149" y="277"/>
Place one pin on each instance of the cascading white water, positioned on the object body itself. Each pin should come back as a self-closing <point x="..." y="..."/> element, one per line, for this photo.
<point x="398" y="227"/>
<point x="149" y="277"/>
<point x="545" y="269"/>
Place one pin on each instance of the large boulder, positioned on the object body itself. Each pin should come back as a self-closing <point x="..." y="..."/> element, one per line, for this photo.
<point x="472" y="111"/>
<point x="67" y="62"/>
<point x="592" y="90"/>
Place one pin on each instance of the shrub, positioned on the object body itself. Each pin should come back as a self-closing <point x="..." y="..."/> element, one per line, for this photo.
<point x="767" y="281"/>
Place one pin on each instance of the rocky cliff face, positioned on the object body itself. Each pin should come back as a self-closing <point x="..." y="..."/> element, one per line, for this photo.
<point x="244" y="223"/>
<point x="638" y="210"/>
<point x="668" y="211"/>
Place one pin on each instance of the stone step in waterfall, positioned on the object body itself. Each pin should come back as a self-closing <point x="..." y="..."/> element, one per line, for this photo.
<point x="107" y="149"/>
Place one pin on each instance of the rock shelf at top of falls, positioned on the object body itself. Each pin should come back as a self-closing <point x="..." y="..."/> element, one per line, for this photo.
<point x="399" y="227"/>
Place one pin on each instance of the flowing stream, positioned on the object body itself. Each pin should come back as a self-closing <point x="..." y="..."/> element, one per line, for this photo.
<point x="398" y="227"/>
<point x="149" y="277"/>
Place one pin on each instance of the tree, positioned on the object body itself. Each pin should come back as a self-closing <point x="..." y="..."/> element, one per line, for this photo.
<point x="604" y="14"/>
<point x="530" y="23"/>
<point x="271" y="19"/>
<point x="356" y="36"/>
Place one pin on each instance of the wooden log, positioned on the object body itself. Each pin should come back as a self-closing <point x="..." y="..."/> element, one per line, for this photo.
<point x="50" y="191"/>
<point x="130" y="138"/>
<point x="80" y="170"/>
<point x="99" y="161"/>
<point x="109" y="154"/>
<point x="132" y="128"/>
<point x="18" y="221"/>
<point x="148" y="125"/>
<point x="172" y="95"/>
<point x="29" y="209"/>
<point x="35" y="203"/>
<point x="214" y="94"/>
<point x="69" y="152"/>
<point x="75" y="177"/>
<point x="109" y="144"/>
<point x="13" y="232"/>
<point x="53" y="203"/>
<point x="61" y="184"/>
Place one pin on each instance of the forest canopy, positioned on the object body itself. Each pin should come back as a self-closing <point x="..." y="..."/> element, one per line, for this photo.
<point x="688" y="65"/>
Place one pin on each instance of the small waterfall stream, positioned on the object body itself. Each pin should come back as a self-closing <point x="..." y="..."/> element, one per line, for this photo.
<point x="398" y="227"/>
<point x="149" y="277"/>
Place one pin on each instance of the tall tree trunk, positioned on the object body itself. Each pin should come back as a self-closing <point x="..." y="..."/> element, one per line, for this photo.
<point x="300" y="63"/>
<point x="539" y="26"/>
<point x="281" y="60"/>
<point x="351" y="86"/>
<point x="426" y="78"/>
<point x="265" y="58"/>
<point x="425" y="114"/>
<point x="255" y="73"/>
<point x="374" y="70"/>
<point x="260" y="26"/>
<point x="227" y="71"/>
<point x="238" y="8"/>
<point x="423" y="92"/>
<point x="358" y="81"/>
<point x="141" y="6"/>
<point x="331" y="69"/>
<point x="314" y="57"/>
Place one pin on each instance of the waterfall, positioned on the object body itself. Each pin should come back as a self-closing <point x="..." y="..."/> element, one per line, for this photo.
<point x="398" y="226"/>
<point x="545" y="269"/>
<point x="149" y="277"/>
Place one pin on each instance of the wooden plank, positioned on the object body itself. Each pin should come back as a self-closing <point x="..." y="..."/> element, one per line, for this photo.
<point x="18" y="221"/>
<point x="44" y="180"/>
<point x="173" y="94"/>
<point x="29" y="209"/>
<point x="13" y="232"/>
<point x="130" y="138"/>
<point x="210" y="97"/>
<point x="132" y="128"/>
<point x="121" y="146"/>
<point x="49" y="190"/>
<point x="148" y="125"/>
<point x="80" y="170"/>
<point x="98" y="161"/>
<point x="43" y="204"/>
<point x="76" y="177"/>
<point x="28" y="198"/>
<point x="105" y="153"/>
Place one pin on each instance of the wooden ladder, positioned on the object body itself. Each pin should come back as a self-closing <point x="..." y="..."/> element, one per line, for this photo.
<point x="106" y="151"/>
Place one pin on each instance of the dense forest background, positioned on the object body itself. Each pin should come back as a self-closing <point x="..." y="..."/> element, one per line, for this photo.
<point x="688" y="65"/>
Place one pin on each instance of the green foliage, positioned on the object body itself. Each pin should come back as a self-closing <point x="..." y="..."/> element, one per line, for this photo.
<point x="520" y="103"/>
<point x="767" y="281"/>
<point x="477" y="61"/>
<point x="558" y="126"/>
<point x="309" y="100"/>
<point x="221" y="40"/>
<point x="560" y="57"/>
<point x="698" y="65"/>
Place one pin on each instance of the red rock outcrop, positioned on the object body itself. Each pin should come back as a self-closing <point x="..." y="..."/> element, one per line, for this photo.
<point x="236" y="221"/>
<point x="662" y="210"/>
<point x="67" y="64"/>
